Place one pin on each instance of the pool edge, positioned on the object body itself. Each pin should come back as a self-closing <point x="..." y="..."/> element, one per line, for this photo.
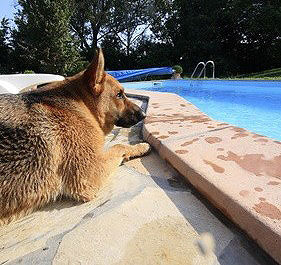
<point x="254" y="209"/>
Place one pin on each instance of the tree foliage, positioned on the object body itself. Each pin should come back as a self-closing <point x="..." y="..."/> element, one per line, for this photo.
<point x="239" y="35"/>
<point x="54" y="36"/>
<point x="91" y="21"/>
<point x="251" y="34"/>
<point x="97" y="21"/>
<point x="5" y="48"/>
<point x="42" y="40"/>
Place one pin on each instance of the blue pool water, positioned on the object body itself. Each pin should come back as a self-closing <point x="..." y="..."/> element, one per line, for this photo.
<point x="253" y="105"/>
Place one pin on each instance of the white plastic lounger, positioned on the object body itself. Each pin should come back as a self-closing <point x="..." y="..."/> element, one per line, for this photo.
<point x="14" y="83"/>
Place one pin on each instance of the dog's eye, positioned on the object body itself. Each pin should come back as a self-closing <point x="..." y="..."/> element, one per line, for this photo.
<point x="120" y="95"/>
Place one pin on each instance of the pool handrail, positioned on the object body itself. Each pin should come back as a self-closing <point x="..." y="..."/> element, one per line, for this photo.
<point x="213" y="64"/>
<point x="204" y="66"/>
<point x="204" y="69"/>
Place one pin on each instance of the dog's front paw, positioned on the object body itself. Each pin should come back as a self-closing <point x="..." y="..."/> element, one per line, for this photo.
<point x="143" y="148"/>
<point x="137" y="150"/>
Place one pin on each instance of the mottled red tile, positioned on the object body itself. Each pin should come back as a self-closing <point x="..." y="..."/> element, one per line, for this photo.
<point x="163" y="137"/>
<point x="172" y="132"/>
<point x="239" y="135"/>
<point x="190" y="142"/>
<point x="215" y="167"/>
<point x="273" y="183"/>
<point x="181" y="152"/>
<point x="213" y="140"/>
<point x="262" y="140"/>
<point x="255" y="163"/>
<point x="268" y="210"/>
<point x="244" y="193"/>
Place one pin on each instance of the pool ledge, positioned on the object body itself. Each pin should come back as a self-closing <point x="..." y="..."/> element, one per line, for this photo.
<point x="237" y="170"/>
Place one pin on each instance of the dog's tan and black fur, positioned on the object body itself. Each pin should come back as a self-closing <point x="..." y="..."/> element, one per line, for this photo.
<point x="52" y="139"/>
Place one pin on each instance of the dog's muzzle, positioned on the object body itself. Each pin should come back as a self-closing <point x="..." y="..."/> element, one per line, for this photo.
<point x="131" y="117"/>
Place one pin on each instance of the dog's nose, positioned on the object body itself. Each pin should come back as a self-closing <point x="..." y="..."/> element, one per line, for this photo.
<point x="142" y="115"/>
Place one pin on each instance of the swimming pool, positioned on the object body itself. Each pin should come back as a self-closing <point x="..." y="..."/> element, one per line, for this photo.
<point x="253" y="105"/>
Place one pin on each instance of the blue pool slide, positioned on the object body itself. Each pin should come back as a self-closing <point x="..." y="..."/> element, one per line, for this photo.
<point x="127" y="75"/>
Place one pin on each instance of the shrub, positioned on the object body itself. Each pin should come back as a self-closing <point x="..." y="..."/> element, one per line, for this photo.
<point x="178" y="69"/>
<point x="28" y="72"/>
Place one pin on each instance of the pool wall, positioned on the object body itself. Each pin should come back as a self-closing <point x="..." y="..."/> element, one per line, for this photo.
<point x="237" y="170"/>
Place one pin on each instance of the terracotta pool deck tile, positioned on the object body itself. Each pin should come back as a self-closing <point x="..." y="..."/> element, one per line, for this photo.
<point x="238" y="171"/>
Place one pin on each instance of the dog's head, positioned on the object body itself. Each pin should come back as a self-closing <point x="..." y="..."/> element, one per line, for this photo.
<point x="111" y="103"/>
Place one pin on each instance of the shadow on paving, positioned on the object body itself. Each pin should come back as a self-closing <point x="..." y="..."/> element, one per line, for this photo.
<point x="241" y="250"/>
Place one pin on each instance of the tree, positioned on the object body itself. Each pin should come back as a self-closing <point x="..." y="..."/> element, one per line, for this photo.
<point x="134" y="20"/>
<point x="239" y="35"/>
<point x="251" y="34"/>
<point x="5" y="48"/>
<point x="53" y="35"/>
<point x="95" y="21"/>
<point x="191" y="28"/>
<point x="42" y="40"/>
<point x="91" y="22"/>
<point x="114" y="57"/>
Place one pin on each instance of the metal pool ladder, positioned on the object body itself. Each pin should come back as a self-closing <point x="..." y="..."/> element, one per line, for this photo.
<point x="204" y="69"/>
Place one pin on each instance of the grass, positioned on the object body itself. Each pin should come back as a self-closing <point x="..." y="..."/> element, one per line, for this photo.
<point x="272" y="74"/>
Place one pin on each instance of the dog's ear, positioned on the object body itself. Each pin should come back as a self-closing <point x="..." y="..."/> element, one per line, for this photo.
<point x="94" y="74"/>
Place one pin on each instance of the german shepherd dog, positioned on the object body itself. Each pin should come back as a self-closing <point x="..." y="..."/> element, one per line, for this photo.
<point x="52" y="139"/>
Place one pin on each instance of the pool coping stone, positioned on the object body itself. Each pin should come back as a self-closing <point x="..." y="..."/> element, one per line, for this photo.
<point x="238" y="171"/>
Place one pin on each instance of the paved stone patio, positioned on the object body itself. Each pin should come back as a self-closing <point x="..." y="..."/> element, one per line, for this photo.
<point x="146" y="215"/>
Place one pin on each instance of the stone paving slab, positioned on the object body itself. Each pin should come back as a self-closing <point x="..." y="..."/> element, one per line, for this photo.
<point x="134" y="222"/>
<point x="238" y="171"/>
<point x="134" y="231"/>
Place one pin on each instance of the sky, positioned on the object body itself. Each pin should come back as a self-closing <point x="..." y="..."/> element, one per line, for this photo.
<point x="7" y="8"/>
